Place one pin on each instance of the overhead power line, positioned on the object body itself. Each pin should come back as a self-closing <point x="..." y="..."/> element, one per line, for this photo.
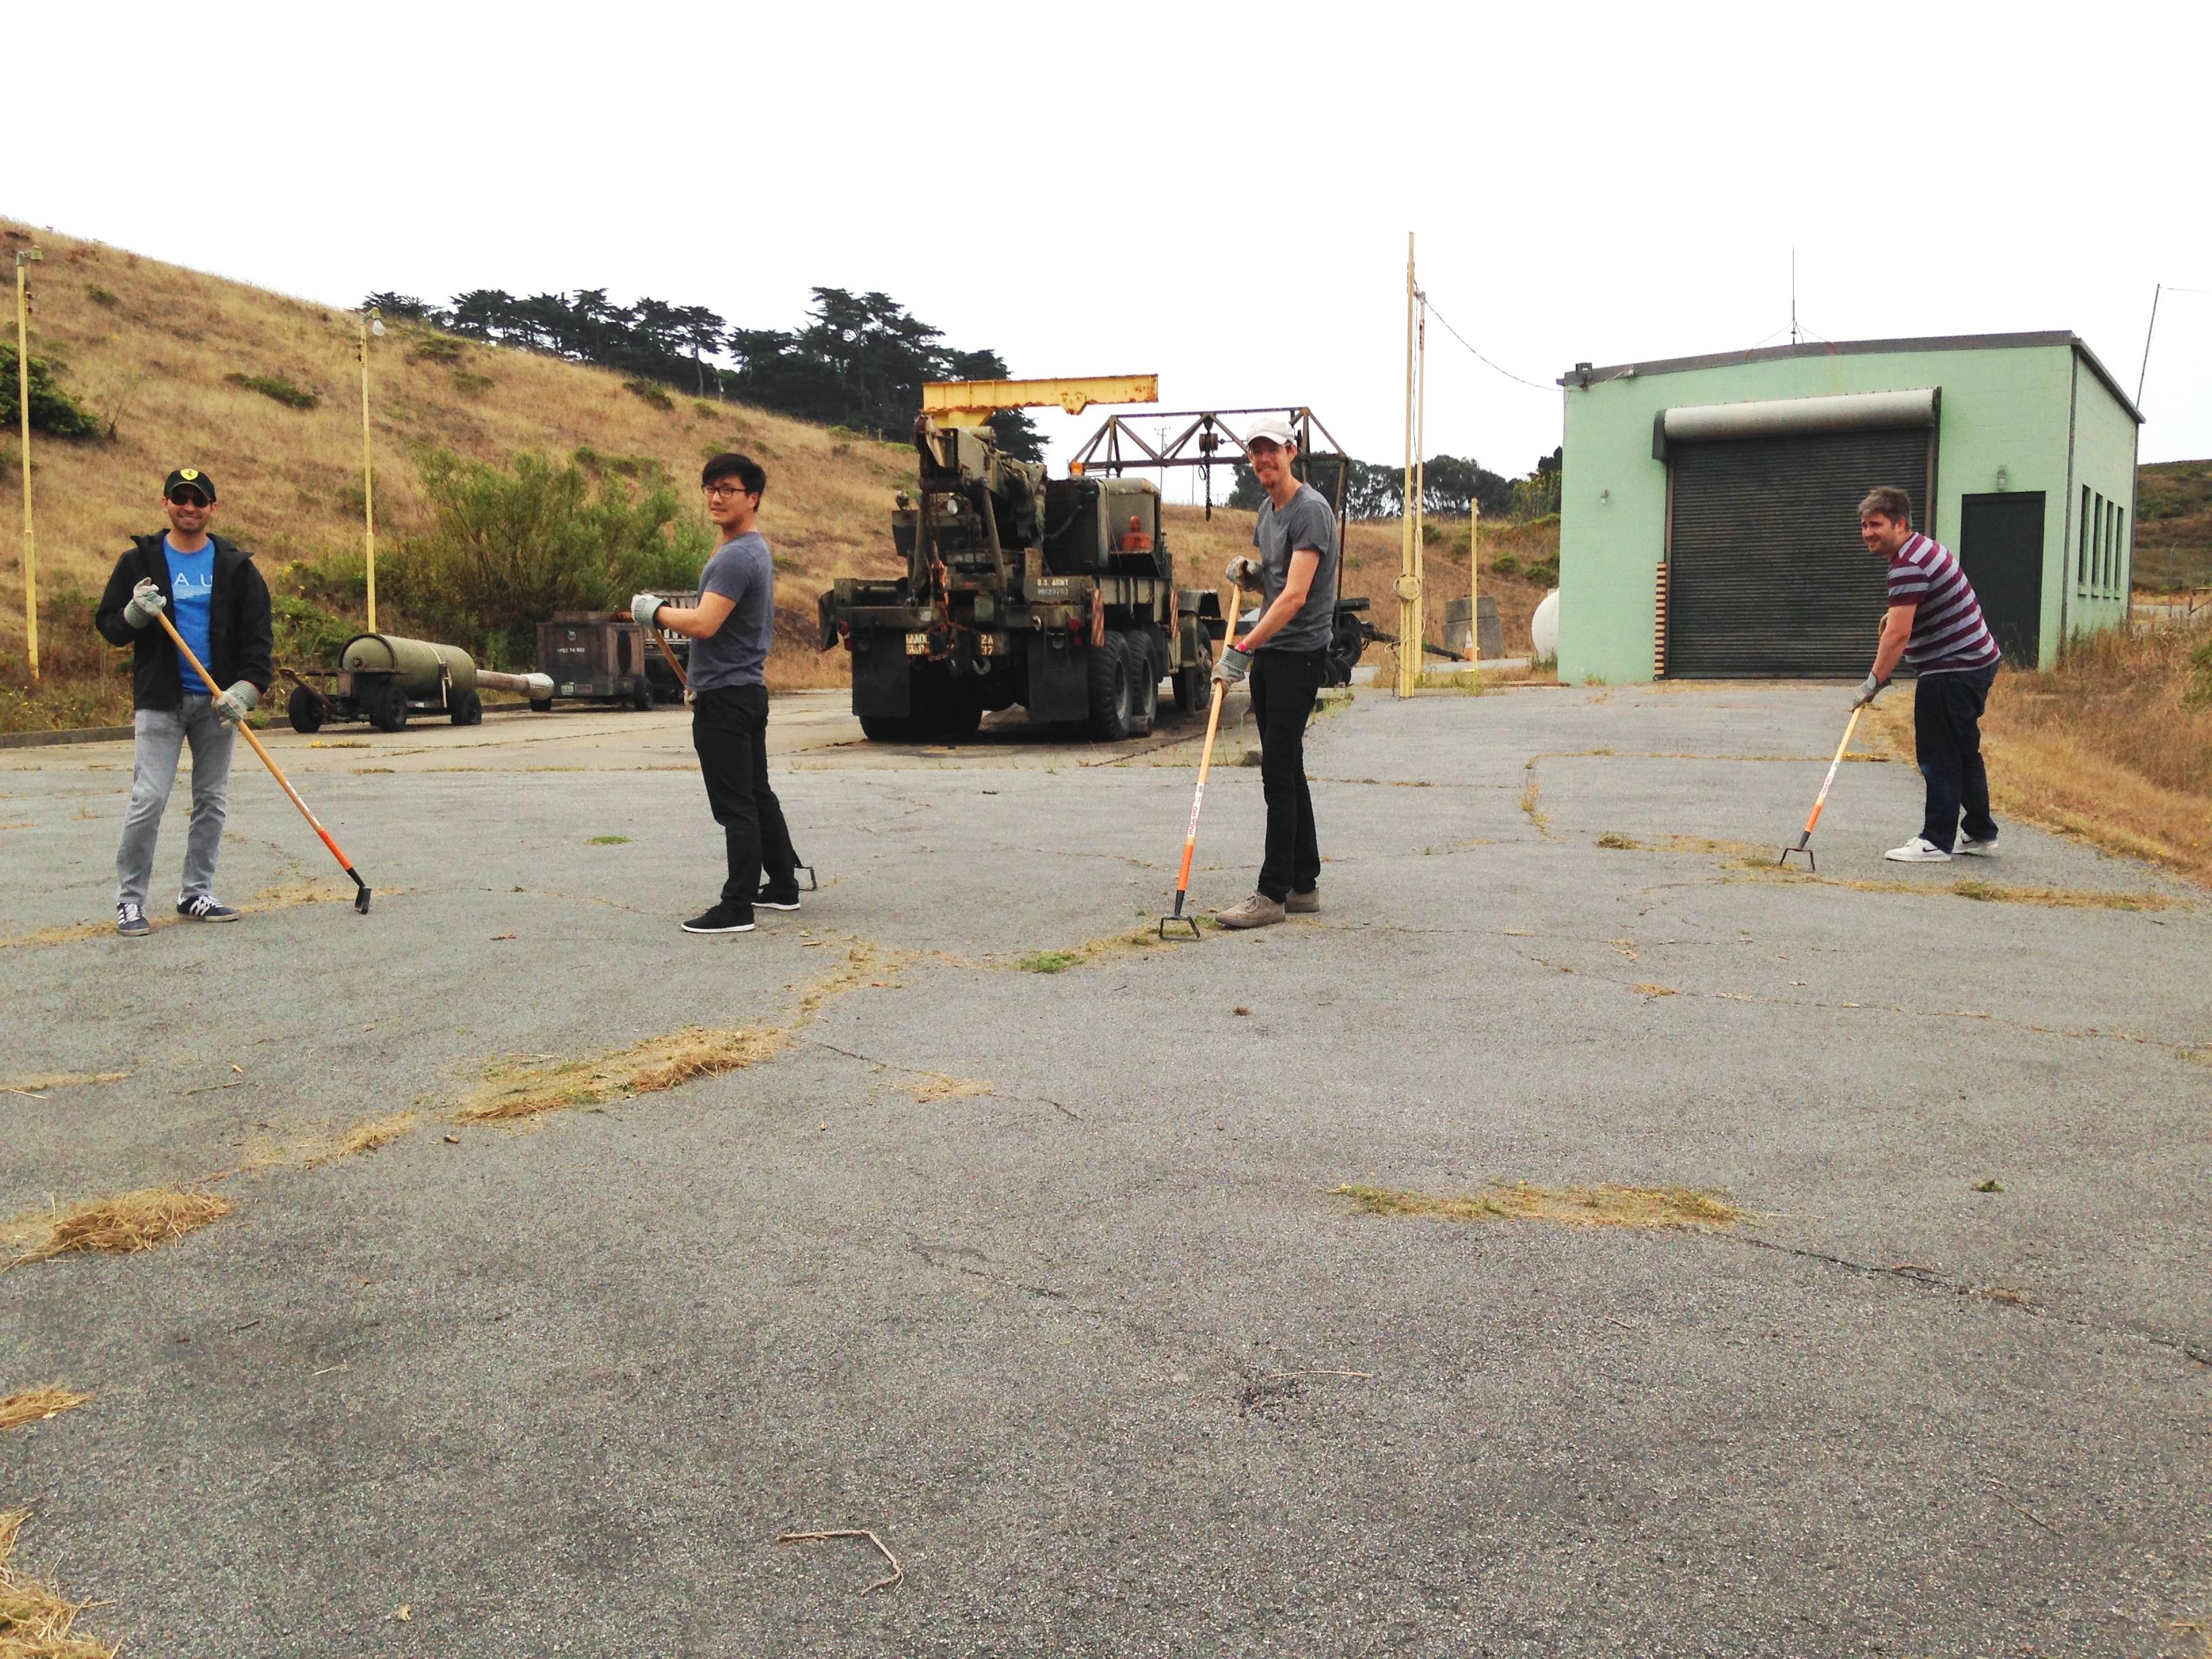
<point x="1534" y="385"/>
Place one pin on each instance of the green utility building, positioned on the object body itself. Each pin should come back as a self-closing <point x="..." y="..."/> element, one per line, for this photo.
<point x="1709" y="509"/>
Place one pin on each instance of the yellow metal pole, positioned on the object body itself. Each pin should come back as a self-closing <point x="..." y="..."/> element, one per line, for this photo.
<point x="23" y="407"/>
<point x="367" y="476"/>
<point x="1420" y="482"/>
<point x="1474" y="584"/>
<point x="1408" y="584"/>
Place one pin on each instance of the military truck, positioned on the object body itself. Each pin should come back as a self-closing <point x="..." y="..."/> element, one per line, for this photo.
<point x="1057" y="594"/>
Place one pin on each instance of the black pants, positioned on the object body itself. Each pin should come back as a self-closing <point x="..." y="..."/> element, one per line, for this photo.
<point x="1947" y="738"/>
<point x="729" y="729"/>
<point x="1284" y="685"/>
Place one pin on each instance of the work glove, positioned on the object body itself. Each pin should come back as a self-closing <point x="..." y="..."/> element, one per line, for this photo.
<point x="645" y="607"/>
<point x="145" y="601"/>
<point x="1232" y="668"/>
<point x="235" y="705"/>
<point x="691" y="698"/>
<point x="1242" y="571"/>
<point x="1867" y="691"/>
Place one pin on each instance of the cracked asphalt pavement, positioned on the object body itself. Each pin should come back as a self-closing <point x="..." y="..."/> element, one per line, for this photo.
<point x="1086" y="1339"/>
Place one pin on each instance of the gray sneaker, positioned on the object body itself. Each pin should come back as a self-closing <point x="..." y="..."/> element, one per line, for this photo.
<point x="130" y="921"/>
<point x="1307" y="903"/>
<point x="1258" y="911"/>
<point x="1978" y="849"/>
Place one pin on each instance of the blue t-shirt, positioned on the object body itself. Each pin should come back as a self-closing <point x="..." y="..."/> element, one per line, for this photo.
<point x="191" y="600"/>
<point x="743" y="572"/>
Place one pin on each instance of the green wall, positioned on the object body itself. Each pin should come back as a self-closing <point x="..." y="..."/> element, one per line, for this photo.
<point x="2003" y="406"/>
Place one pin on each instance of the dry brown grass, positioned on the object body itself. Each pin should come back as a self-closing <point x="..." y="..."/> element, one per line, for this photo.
<point x="2106" y="746"/>
<point x="515" y="1092"/>
<point x="122" y="1225"/>
<point x="35" y="1406"/>
<point x="937" y="1086"/>
<point x="291" y="478"/>
<point x="36" y="1620"/>
<point x="1608" y="1205"/>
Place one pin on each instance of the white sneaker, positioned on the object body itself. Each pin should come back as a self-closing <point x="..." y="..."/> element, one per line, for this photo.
<point x="1918" y="850"/>
<point x="1979" y="849"/>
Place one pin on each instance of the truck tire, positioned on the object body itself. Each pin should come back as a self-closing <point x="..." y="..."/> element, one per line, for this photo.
<point x="1107" y="670"/>
<point x="305" y="710"/>
<point x="1194" y="688"/>
<point x="467" y="708"/>
<point x="640" y="694"/>
<point x="956" y="715"/>
<point x="886" y="728"/>
<point x="1143" y="685"/>
<point x="389" y="711"/>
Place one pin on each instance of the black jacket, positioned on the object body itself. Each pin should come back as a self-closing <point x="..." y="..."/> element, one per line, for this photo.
<point x="241" y="646"/>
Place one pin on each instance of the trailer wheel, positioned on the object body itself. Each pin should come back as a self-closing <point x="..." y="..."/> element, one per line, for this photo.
<point x="641" y="693"/>
<point x="304" y="709"/>
<point x="467" y="708"/>
<point x="541" y="705"/>
<point x="387" y="707"/>
<point x="1107" y="670"/>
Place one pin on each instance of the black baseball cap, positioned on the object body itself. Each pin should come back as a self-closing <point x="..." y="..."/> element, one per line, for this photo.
<point x="189" y="477"/>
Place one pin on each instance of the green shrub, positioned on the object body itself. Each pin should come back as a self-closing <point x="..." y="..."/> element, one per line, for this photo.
<point x="1505" y="564"/>
<point x="438" y="349"/>
<point x="308" y="637"/>
<point x="99" y="295"/>
<point x="508" y="545"/>
<point x="469" y="384"/>
<point x="277" y="388"/>
<point x="702" y="409"/>
<point x="646" y="391"/>
<point x="52" y="411"/>
<point x="1546" y="571"/>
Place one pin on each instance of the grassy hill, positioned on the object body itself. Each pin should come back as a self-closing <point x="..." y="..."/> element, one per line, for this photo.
<point x="261" y="391"/>
<point x="2173" y="525"/>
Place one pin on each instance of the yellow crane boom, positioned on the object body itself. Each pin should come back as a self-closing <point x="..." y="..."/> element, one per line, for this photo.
<point x="972" y="403"/>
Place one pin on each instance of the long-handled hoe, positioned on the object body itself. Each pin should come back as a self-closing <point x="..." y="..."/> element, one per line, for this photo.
<point x="360" y="895"/>
<point x="1805" y="835"/>
<point x="684" y="680"/>
<point x="1198" y="799"/>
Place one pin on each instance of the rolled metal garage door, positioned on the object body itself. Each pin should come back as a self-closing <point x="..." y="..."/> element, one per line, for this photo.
<point x="1766" y="576"/>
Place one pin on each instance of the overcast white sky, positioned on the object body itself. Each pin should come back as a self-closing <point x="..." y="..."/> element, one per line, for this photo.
<point x="1221" y="194"/>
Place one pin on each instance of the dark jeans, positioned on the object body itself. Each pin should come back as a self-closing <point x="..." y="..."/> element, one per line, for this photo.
<point x="729" y="729"/>
<point x="1947" y="738"/>
<point x="1284" y="684"/>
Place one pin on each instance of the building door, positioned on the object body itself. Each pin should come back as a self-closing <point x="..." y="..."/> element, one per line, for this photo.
<point x="1766" y="576"/>
<point x="2001" y="551"/>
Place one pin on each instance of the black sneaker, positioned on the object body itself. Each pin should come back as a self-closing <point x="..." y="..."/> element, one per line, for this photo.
<point x="722" y="919"/>
<point x="203" y="908"/>
<point x="772" y="897"/>
<point x="130" y="921"/>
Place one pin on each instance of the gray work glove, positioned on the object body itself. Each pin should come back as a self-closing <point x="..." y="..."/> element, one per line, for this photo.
<point x="691" y="698"/>
<point x="645" y="607"/>
<point x="145" y="601"/>
<point x="235" y="705"/>
<point x="1867" y="690"/>
<point x="1232" y="668"/>
<point x="1242" y="571"/>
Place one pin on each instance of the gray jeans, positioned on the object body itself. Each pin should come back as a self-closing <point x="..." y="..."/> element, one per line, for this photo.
<point x="161" y="739"/>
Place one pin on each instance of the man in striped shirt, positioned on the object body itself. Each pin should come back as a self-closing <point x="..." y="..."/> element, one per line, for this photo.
<point x="1934" y="626"/>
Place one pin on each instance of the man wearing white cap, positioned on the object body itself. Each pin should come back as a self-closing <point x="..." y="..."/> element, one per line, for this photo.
<point x="1286" y="656"/>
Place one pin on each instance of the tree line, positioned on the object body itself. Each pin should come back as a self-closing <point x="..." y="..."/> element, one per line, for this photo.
<point x="858" y="362"/>
<point x="1450" y="485"/>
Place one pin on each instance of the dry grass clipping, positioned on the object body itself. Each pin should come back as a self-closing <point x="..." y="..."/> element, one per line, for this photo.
<point x="35" y="1617"/>
<point x="644" y="1068"/>
<point x="38" y="1082"/>
<point x="121" y="1225"/>
<point x="36" y="1405"/>
<point x="936" y="1086"/>
<point x="1610" y="1205"/>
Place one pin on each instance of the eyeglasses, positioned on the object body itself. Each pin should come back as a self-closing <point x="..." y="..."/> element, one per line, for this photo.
<point x="187" y="498"/>
<point x="727" y="489"/>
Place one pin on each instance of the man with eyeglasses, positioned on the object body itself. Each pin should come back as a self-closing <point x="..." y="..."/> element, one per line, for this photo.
<point x="730" y="629"/>
<point x="219" y="605"/>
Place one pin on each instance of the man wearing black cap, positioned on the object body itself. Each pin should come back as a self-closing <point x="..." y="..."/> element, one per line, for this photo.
<point x="220" y="606"/>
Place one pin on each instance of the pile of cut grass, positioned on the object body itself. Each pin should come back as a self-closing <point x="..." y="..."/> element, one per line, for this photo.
<point x="1607" y="1205"/>
<point x="37" y="1622"/>
<point x="121" y="1225"/>
<point x="35" y="1406"/>
<point x="648" y="1067"/>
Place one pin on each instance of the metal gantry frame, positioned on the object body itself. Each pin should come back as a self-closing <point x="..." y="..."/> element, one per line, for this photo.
<point x="1207" y="440"/>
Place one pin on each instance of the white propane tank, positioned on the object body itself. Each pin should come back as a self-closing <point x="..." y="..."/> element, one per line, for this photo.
<point x="1544" y="629"/>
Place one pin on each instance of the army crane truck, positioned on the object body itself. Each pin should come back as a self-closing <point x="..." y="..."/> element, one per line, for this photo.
<point x="1058" y="594"/>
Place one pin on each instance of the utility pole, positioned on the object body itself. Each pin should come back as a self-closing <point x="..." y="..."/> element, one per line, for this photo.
<point x="23" y="258"/>
<point x="2157" y="289"/>
<point x="1408" y="586"/>
<point x="372" y="322"/>
<point x="1475" y="584"/>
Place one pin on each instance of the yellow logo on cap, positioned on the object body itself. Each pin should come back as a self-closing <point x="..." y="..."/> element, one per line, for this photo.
<point x="188" y="474"/>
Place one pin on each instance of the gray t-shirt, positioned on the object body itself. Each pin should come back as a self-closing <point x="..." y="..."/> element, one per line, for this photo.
<point x="742" y="572"/>
<point x="1306" y="522"/>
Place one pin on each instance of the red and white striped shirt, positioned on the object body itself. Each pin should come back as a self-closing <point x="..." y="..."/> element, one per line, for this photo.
<point x="1948" y="633"/>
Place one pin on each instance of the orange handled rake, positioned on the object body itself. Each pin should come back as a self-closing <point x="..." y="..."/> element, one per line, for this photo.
<point x="1198" y="799"/>
<point x="1805" y="835"/>
<point x="360" y="896"/>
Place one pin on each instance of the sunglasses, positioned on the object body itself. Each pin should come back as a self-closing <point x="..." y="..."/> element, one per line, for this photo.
<point x="187" y="498"/>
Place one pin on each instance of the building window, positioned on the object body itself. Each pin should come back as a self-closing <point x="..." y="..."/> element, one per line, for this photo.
<point x="2081" y="549"/>
<point x="2120" y="551"/>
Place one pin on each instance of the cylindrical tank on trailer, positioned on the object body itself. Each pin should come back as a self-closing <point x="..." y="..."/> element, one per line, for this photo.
<point x="1544" y="629"/>
<point x="418" y="666"/>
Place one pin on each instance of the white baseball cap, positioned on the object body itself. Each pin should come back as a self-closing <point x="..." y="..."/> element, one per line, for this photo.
<point x="1273" y="428"/>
